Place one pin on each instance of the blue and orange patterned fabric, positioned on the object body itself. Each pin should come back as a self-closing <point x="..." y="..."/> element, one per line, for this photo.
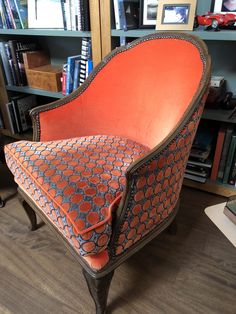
<point x="75" y="183"/>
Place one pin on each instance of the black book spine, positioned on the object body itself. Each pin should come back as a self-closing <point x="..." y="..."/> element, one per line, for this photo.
<point x="12" y="47"/>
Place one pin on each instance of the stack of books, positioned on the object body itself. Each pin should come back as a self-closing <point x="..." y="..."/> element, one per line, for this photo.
<point x="199" y="164"/>
<point x="230" y="210"/>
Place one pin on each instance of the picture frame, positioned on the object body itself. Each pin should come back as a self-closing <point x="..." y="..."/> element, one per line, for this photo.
<point x="223" y="6"/>
<point x="148" y="13"/>
<point x="176" y="14"/>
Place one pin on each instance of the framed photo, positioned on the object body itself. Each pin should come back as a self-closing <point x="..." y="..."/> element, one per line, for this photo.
<point x="175" y="14"/>
<point x="224" y="6"/>
<point x="148" y="13"/>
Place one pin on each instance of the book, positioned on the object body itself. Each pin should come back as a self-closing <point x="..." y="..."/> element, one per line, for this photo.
<point x="12" y="47"/>
<point x="229" y="159"/>
<point x="8" y="13"/>
<point x="203" y="141"/>
<point x="70" y="72"/>
<point x="117" y="14"/>
<point x="195" y="177"/>
<point x="22" y="9"/>
<point x="224" y="153"/>
<point x="11" y="118"/>
<point x="207" y="163"/>
<point x="5" y="63"/>
<point x="230" y="214"/>
<point x="15" y="14"/>
<point x="23" y="105"/>
<point x="45" y="14"/>
<point x="131" y="14"/>
<point x="76" y="74"/>
<point x="218" y="151"/>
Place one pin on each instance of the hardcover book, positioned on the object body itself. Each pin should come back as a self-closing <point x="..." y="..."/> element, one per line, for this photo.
<point x="45" y="14"/>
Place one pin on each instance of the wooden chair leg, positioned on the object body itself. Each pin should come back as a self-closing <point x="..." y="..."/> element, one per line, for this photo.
<point x="99" y="289"/>
<point x="30" y="213"/>
<point x="2" y="203"/>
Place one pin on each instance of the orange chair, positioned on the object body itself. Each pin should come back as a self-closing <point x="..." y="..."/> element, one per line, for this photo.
<point x="106" y="165"/>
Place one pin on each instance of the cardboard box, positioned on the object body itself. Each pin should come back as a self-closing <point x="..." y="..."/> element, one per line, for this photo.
<point x="40" y="73"/>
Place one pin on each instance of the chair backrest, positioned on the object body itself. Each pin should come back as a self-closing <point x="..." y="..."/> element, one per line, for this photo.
<point x="140" y="91"/>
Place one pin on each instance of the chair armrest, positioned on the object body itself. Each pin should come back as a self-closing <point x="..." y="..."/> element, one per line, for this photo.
<point x="57" y="120"/>
<point x="153" y="186"/>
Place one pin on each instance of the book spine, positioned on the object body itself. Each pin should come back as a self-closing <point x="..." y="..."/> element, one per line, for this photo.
<point x="15" y="14"/>
<point x="123" y="24"/>
<point x="5" y="63"/>
<point x="218" y="151"/>
<point x="225" y="150"/>
<point x="4" y="22"/>
<point x="22" y="8"/>
<point x="64" y="74"/>
<point x="230" y="215"/>
<point x="63" y="10"/>
<point x="76" y="74"/>
<point x="6" y="16"/>
<point x="229" y="159"/>
<point x="9" y="13"/>
<point x="18" y="13"/>
<point x="12" y="47"/>
<point x="11" y="118"/>
<point x="116" y="13"/>
<point x="17" y="117"/>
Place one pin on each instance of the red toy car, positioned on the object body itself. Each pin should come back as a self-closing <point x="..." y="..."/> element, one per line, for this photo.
<point x="215" y="20"/>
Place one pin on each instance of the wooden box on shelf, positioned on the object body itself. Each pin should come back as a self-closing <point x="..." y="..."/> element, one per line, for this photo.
<point x="40" y="73"/>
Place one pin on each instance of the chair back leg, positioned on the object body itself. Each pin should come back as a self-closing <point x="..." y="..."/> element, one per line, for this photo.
<point x="99" y="289"/>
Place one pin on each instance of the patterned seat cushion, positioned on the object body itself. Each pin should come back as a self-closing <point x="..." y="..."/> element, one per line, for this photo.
<point x="75" y="182"/>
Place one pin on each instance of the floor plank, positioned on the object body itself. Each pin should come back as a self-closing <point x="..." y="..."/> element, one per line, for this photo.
<point x="192" y="272"/>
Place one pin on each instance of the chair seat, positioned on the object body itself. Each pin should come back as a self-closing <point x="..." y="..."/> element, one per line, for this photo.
<point x="75" y="183"/>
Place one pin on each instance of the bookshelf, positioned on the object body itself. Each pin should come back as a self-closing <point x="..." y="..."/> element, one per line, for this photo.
<point x="60" y="44"/>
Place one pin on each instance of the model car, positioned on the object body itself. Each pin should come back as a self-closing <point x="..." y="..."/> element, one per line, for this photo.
<point x="215" y="20"/>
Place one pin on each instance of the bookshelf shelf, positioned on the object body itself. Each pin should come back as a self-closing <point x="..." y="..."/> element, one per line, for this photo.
<point x="22" y="136"/>
<point x="221" y="115"/>
<point x="44" y="32"/>
<point x="218" y="188"/>
<point x="34" y="91"/>
<point x="223" y="35"/>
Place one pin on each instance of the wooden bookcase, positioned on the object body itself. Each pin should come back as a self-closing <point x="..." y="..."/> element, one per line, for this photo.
<point x="60" y="44"/>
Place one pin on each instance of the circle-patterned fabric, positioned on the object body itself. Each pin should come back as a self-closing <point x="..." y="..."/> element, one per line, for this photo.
<point x="75" y="182"/>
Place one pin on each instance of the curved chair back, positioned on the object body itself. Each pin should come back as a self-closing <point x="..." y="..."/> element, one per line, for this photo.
<point x="140" y="91"/>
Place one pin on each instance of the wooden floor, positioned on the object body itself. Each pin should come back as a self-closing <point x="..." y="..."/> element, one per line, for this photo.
<point x="193" y="272"/>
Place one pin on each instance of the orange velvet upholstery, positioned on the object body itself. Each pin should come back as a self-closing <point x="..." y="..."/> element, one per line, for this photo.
<point x="137" y="95"/>
<point x="107" y="164"/>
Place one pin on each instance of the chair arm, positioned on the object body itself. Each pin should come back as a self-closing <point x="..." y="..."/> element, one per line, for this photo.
<point x="153" y="186"/>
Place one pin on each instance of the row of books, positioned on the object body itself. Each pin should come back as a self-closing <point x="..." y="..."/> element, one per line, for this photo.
<point x="12" y="60"/>
<point x="61" y="14"/>
<point x="75" y="15"/>
<point x="224" y="161"/>
<point x="77" y="68"/>
<point x="18" y="112"/>
<point x="13" y="14"/>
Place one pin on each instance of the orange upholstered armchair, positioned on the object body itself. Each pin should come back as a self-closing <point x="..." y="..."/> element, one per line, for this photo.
<point x="106" y="165"/>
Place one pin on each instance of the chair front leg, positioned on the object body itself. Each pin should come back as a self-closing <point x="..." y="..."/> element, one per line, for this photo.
<point x="30" y="213"/>
<point x="99" y="289"/>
